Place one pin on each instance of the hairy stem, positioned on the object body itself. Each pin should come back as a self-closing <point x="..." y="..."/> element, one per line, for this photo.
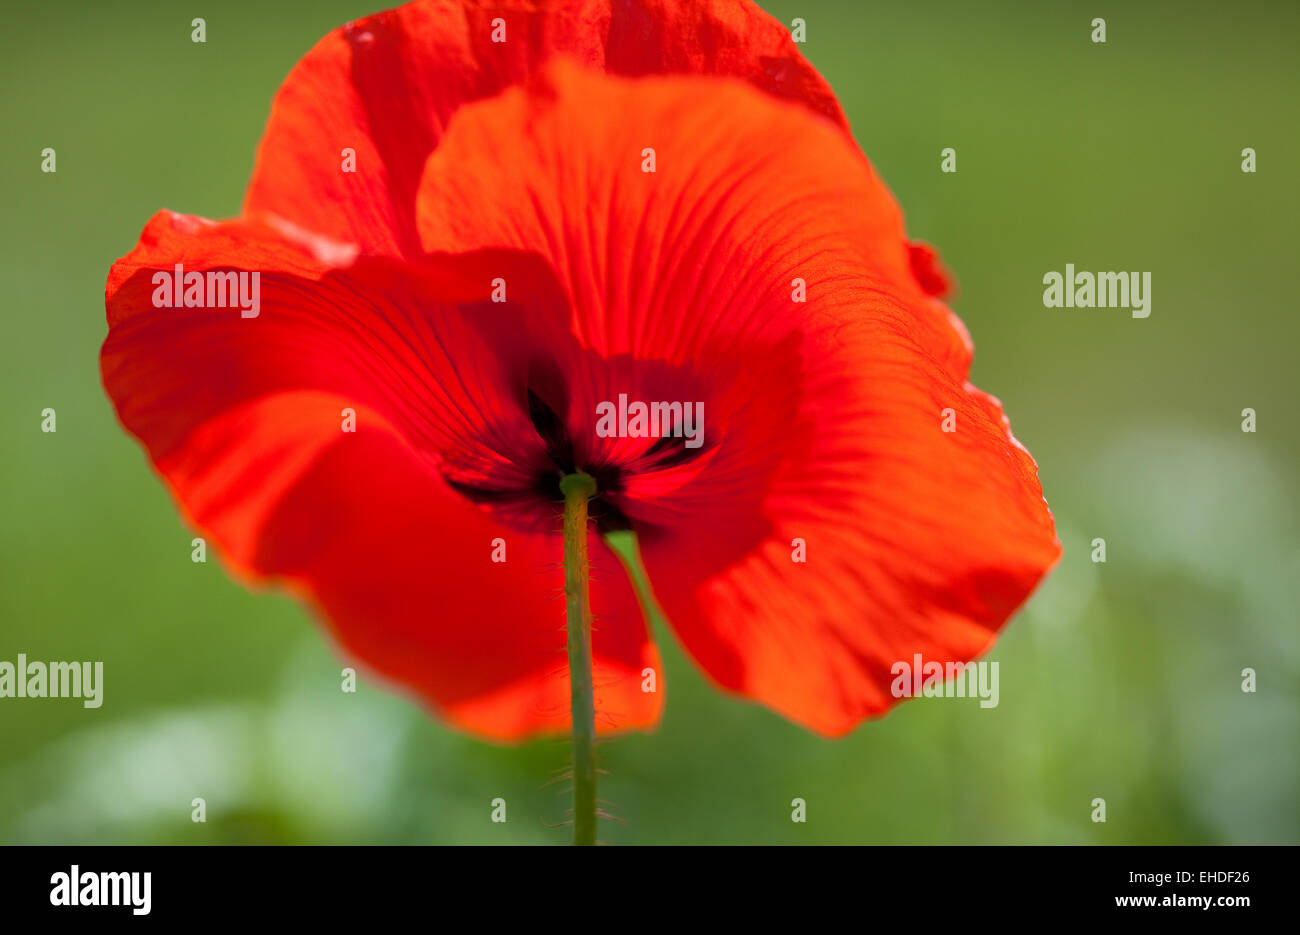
<point x="578" y="489"/>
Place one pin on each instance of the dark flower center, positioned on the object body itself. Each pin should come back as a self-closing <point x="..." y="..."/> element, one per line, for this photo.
<point x="559" y="449"/>
<point x="536" y="503"/>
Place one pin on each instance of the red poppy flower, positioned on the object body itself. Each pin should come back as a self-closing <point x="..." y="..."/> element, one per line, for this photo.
<point x="761" y="270"/>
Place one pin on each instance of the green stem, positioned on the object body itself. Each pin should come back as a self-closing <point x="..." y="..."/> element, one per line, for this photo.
<point x="578" y="489"/>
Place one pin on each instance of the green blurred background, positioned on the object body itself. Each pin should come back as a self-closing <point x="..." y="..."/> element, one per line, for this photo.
<point x="1119" y="680"/>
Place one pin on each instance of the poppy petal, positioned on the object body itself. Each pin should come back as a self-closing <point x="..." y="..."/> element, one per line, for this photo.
<point x="750" y="249"/>
<point x="244" y="418"/>
<point x="482" y="642"/>
<point x="354" y="122"/>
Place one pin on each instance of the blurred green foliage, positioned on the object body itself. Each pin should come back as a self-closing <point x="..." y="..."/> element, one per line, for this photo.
<point x="1119" y="680"/>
